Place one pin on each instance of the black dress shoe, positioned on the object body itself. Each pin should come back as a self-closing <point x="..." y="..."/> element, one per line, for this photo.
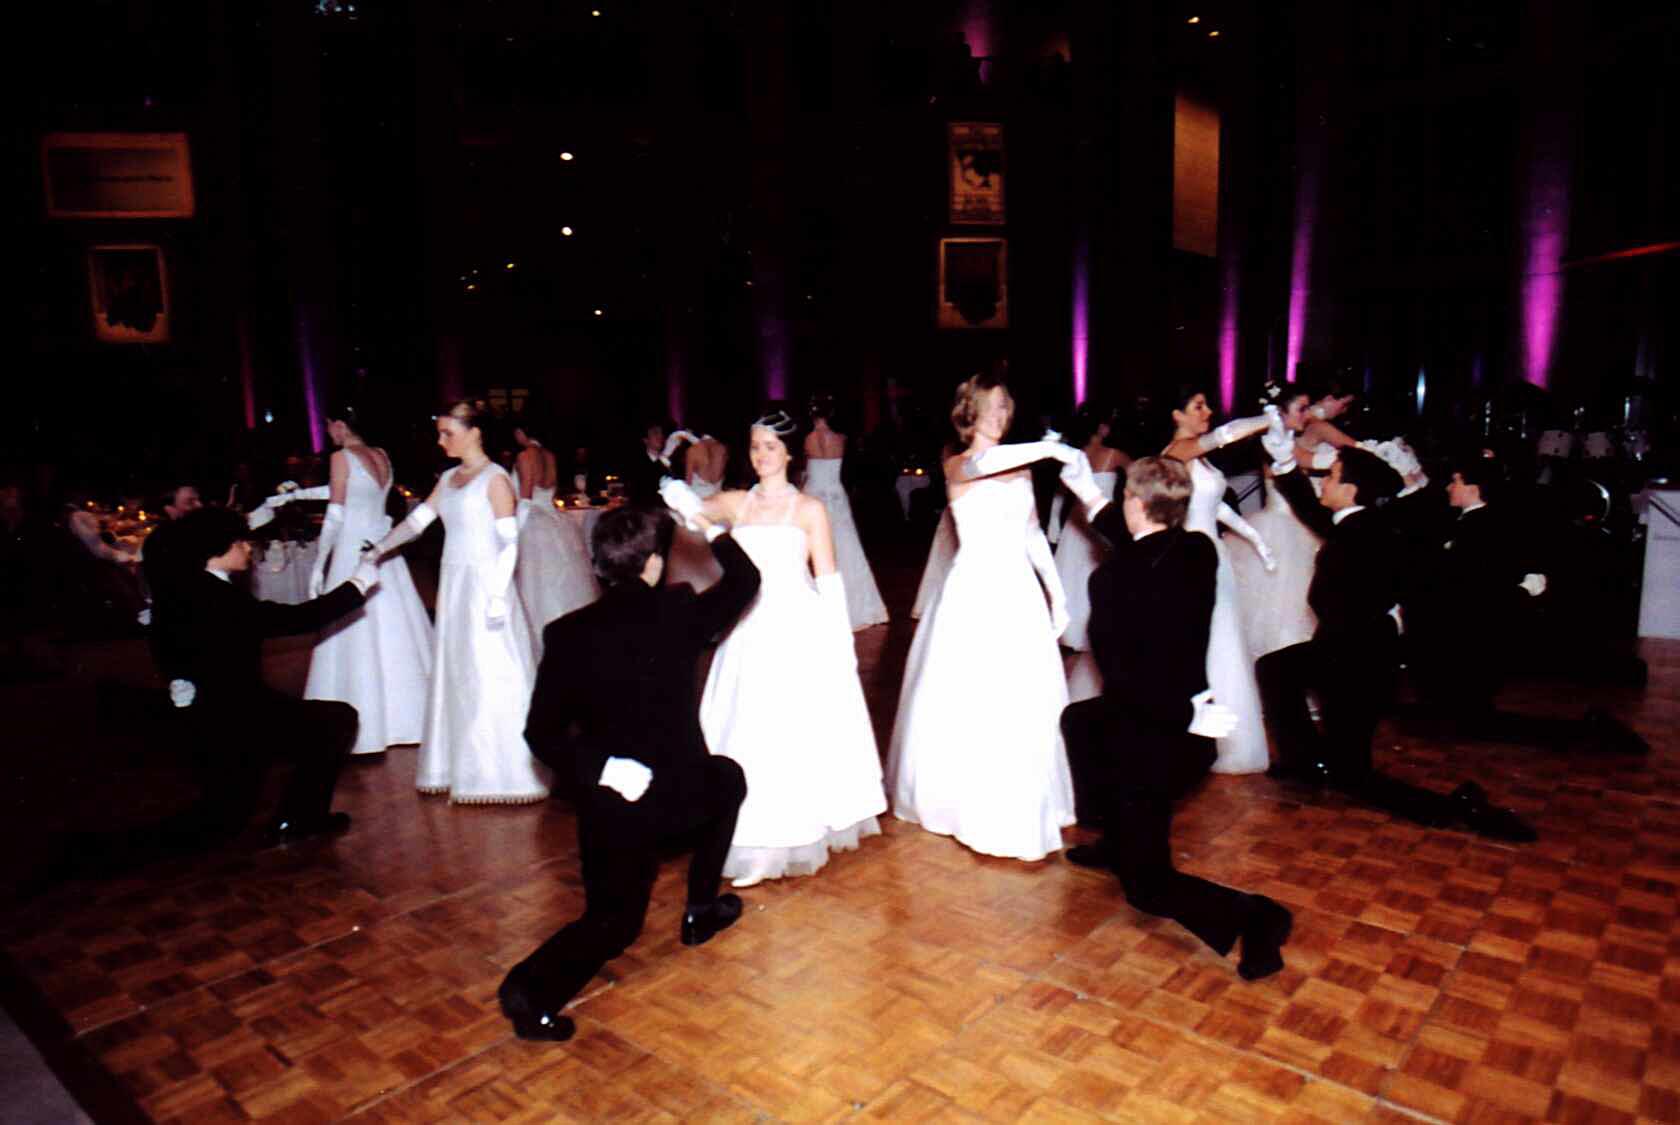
<point x="1089" y="855"/>
<point x="1471" y="804"/>
<point x="291" y="831"/>
<point x="702" y="923"/>
<point x="1264" y="931"/>
<point x="1304" y="773"/>
<point x="530" y="1020"/>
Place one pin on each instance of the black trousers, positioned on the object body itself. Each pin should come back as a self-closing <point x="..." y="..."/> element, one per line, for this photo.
<point x="1354" y="682"/>
<point x="620" y="843"/>
<point x="1127" y="778"/>
<point x="237" y="744"/>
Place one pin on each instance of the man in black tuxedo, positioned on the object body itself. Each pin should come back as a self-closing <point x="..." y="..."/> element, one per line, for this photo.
<point x="1352" y="660"/>
<point x="613" y="714"/>
<point x="1148" y="739"/>
<point x="209" y="646"/>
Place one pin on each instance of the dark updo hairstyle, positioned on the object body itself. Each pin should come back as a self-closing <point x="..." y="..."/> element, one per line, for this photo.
<point x="965" y="407"/>
<point x="475" y="415"/>
<point x="205" y="533"/>
<point x="625" y="538"/>
<point x="1371" y="475"/>
<point x="351" y="416"/>
<point x="821" y="406"/>
<point x="775" y="418"/>
<point x="1086" y="421"/>
<point x="1178" y="396"/>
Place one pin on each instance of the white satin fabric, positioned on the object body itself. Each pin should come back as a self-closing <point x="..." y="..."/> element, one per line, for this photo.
<point x="1273" y="607"/>
<point x="474" y="748"/>
<point x="1230" y="670"/>
<point x="378" y="659"/>
<point x="941" y="552"/>
<point x="977" y="750"/>
<point x="554" y="573"/>
<point x="783" y="700"/>
<point x="1077" y="554"/>
<point x="863" y="597"/>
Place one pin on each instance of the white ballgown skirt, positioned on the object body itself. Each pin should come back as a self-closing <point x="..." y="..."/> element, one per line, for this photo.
<point x="1078" y="552"/>
<point x="1273" y="607"/>
<point x="783" y="700"/>
<point x="554" y="575"/>
<point x="863" y="597"/>
<point x="941" y="552"/>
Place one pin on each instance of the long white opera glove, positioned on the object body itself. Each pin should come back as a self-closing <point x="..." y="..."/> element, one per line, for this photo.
<point x="407" y="531"/>
<point x="1002" y="458"/>
<point x="1280" y="447"/>
<point x="182" y="693"/>
<point x="330" y="529"/>
<point x="1228" y="516"/>
<point x="318" y="492"/>
<point x="263" y="514"/>
<point x="1237" y="429"/>
<point x="1038" y="553"/>
<point x="1078" y="479"/>
<point x="676" y="438"/>
<point x="626" y="777"/>
<point x="831" y="595"/>
<point x="683" y="501"/>
<point x="1209" y="719"/>
<point x="501" y="574"/>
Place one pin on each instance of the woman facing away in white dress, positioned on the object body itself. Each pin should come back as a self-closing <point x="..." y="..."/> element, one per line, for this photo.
<point x="1077" y="551"/>
<point x="977" y="749"/>
<point x="1230" y="669"/>
<point x="554" y="574"/>
<point x="703" y="459"/>
<point x="782" y="697"/>
<point x="378" y="659"/>
<point x="825" y="451"/>
<point x="474" y="746"/>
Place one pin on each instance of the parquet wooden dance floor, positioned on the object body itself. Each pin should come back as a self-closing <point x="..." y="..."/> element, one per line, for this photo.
<point x="1432" y="975"/>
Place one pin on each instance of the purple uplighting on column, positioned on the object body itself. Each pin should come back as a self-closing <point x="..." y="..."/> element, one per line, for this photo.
<point x="1081" y="316"/>
<point x="1228" y="336"/>
<point x="676" y="387"/>
<point x="1545" y="229"/>
<point x="311" y="392"/>
<point x="977" y="29"/>
<point x="1300" y="270"/>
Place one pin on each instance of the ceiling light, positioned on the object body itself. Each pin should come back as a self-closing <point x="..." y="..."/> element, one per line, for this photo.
<point x="600" y="312"/>
<point x="565" y="156"/>
<point x="567" y="231"/>
<point x="1194" y="19"/>
<point x="1214" y="34"/>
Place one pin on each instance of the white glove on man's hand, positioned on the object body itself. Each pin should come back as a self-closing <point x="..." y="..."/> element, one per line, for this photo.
<point x="318" y="578"/>
<point x="682" y="500"/>
<point x="1077" y="476"/>
<point x="626" y="777"/>
<point x="366" y="574"/>
<point x="1210" y="719"/>
<point x="496" y="612"/>
<point x="182" y="692"/>
<point x="1533" y="584"/>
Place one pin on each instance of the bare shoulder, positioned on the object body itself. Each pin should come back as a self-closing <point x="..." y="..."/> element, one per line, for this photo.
<point x="811" y="509"/>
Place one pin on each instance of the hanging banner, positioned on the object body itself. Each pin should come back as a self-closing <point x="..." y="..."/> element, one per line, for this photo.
<point x="973" y="283"/>
<point x="117" y="175"/>
<point x="129" y="294"/>
<point x="976" y="161"/>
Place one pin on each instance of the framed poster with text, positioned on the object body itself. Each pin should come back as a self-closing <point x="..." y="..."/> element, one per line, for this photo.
<point x="975" y="151"/>
<point x="973" y="283"/>
<point x="117" y="175"/>
<point x="129" y="294"/>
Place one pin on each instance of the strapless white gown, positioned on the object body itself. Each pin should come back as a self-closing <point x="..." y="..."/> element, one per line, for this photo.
<point x="783" y="699"/>
<point x="863" y="597"/>
<point x="977" y="749"/>
<point x="378" y="659"/>
<point x="1077" y="554"/>
<point x="474" y="748"/>
<point x="1230" y="670"/>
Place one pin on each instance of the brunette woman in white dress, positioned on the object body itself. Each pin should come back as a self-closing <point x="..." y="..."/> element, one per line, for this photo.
<point x="825" y="452"/>
<point x="474" y="746"/>
<point x="554" y="573"/>
<point x="700" y="459"/>
<point x="1230" y="669"/>
<point x="379" y="658"/>
<point x="783" y="698"/>
<point x="977" y="749"/>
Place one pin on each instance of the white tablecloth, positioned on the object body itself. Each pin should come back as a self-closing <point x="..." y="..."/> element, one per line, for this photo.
<point x="908" y="484"/>
<point x="280" y="571"/>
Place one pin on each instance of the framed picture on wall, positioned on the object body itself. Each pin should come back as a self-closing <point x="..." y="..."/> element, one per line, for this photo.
<point x="973" y="283"/>
<point x="129" y="294"/>
<point x="975" y="151"/>
<point x="117" y="175"/>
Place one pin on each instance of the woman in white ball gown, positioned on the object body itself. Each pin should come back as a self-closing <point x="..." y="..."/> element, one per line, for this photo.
<point x="554" y="573"/>
<point x="1230" y="669"/>
<point x="703" y="459"/>
<point x="378" y="659"/>
<point x="1077" y="551"/>
<point x="783" y="697"/>
<point x="474" y="746"/>
<point x="977" y="749"/>
<point x="825" y="451"/>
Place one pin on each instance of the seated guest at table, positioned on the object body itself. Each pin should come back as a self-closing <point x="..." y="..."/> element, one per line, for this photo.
<point x="209" y="646"/>
<point x="102" y="588"/>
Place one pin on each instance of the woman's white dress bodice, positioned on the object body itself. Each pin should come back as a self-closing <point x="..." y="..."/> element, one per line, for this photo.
<point x="1230" y="670"/>
<point x="784" y="701"/>
<point x="378" y="659"/>
<point x="474" y="748"/>
<point x="864" y="606"/>
<point x="977" y="748"/>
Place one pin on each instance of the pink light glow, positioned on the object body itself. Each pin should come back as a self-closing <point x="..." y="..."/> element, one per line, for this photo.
<point x="1228" y="336"/>
<point x="311" y="392"/>
<point x="1081" y="317"/>
<point x="1545" y="230"/>
<point x="1300" y="270"/>
<point x="977" y="27"/>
